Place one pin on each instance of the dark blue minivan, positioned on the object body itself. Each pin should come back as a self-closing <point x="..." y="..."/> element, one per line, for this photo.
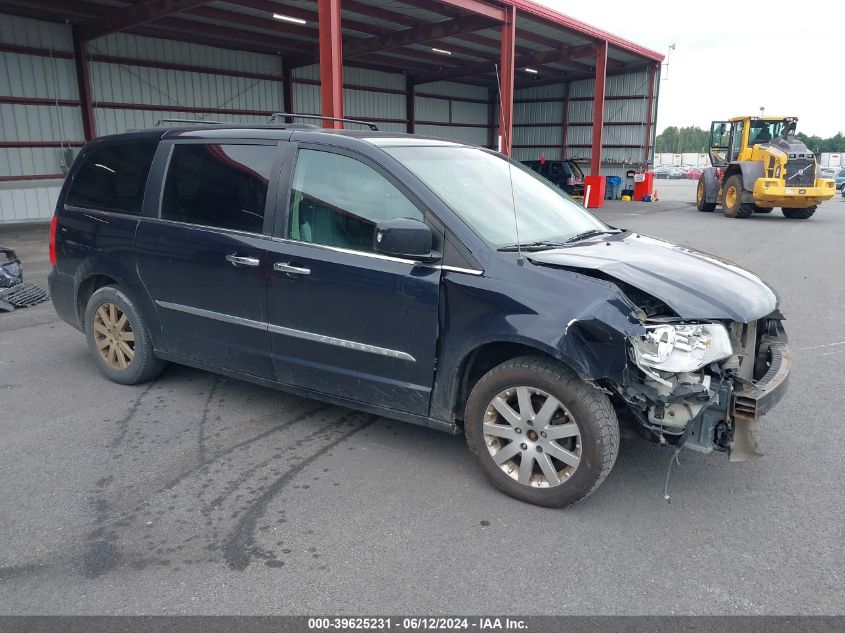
<point x="419" y="279"/>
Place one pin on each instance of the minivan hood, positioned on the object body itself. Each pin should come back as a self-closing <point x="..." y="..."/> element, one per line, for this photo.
<point x="693" y="284"/>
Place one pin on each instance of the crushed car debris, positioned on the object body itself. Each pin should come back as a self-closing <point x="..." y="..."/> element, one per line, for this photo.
<point x="14" y="291"/>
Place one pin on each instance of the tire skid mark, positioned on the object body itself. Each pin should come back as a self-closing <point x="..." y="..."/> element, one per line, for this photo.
<point x="305" y="415"/>
<point x="204" y="418"/>
<point x="235" y="485"/>
<point x="123" y="423"/>
<point x="239" y="545"/>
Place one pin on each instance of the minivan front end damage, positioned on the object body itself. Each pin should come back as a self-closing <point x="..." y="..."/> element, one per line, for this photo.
<point x="705" y="385"/>
<point x="709" y="356"/>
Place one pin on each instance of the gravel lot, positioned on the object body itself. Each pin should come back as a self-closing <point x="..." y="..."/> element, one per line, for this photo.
<point x="201" y="494"/>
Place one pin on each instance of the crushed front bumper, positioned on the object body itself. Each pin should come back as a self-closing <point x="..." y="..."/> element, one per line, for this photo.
<point x="749" y="404"/>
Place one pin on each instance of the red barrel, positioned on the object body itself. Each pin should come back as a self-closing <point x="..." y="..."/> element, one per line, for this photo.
<point x="594" y="187"/>
<point x="643" y="185"/>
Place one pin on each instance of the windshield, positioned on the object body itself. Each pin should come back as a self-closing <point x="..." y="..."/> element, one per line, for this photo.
<point x="476" y="185"/>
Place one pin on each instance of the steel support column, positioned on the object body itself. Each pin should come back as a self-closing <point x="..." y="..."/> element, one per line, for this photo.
<point x="83" y="82"/>
<point x="287" y="87"/>
<point x="331" y="61"/>
<point x="598" y="108"/>
<point x="506" y="74"/>
<point x="565" y="131"/>
<point x="649" y="114"/>
<point x="410" y="113"/>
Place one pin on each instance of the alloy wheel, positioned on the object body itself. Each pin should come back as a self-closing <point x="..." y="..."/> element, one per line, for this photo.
<point x="113" y="336"/>
<point x="532" y="437"/>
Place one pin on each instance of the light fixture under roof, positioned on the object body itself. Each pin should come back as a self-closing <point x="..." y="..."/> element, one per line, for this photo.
<point x="288" y="18"/>
<point x="533" y="71"/>
<point x="441" y="51"/>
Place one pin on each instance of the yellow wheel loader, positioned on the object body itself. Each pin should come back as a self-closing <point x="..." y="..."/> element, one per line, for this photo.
<point x="759" y="164"/>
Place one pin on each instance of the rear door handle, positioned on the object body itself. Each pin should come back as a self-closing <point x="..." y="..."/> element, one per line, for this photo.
<point x="282" y="267"/>
<point x="237" y="260"/>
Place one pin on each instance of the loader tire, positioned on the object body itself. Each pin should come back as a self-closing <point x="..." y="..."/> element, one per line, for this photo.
<point x="732" y="205"/>
<point x="798" y="214"/>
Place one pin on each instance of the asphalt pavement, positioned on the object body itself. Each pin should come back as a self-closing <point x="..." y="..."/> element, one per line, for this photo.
<point x="198" y="494"/>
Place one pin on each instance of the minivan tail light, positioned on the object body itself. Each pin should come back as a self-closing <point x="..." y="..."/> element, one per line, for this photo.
<point x="53" y="224"/>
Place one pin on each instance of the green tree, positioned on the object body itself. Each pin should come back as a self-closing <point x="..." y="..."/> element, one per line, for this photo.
<point x="679" y="140"/>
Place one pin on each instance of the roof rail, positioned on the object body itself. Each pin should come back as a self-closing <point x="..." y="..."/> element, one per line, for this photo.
<point x="191" y="121"/>
<point x="274" y="118"/>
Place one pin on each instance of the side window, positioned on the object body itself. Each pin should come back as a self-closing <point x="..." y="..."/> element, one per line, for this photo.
<point x="113" y="178"/>
<point x="337" y="201"/>
<point x="223" y="186"/>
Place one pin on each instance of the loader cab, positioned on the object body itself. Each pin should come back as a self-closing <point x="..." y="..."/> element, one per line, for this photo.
<point x="732" y="140"/>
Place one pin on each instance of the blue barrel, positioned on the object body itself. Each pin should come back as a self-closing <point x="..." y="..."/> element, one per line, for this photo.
<point x="614" y="184"/>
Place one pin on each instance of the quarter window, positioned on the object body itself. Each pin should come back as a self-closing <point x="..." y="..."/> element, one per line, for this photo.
<point x="113" y="178"/>
<point x="223" y="186"/>
<point x="337" y="201"/>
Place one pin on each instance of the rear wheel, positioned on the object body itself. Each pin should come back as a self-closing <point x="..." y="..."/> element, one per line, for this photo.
<point x="540" y="434"/>
<point x="732" y="205"/>
<point x="798" y="214"/>
<point x="700" y="199"/>
<point x="118" y="338"/>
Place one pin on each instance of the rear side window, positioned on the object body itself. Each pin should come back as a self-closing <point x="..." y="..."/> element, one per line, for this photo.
<point x="223" y="186"/>
<point x="113" y="178"/>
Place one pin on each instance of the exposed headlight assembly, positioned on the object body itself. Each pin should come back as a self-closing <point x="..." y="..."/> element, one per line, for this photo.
<point x="680" y="348"/>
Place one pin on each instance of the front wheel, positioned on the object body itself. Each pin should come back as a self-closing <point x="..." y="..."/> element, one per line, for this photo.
<point x="798" y="214"/>
<point x="732" y="205"/>
<point x="540" y="434"/>
<point x="118" y="338"/>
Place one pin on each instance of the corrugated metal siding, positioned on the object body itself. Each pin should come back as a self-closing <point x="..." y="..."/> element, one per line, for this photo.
<point x="550" y="91"/>
<point x="35" y="33"/>
<point x="170" y="51"/>
<point x="472" y="135"/>
<point x="156" y="86"/>
<point x="35" y="77"/>
<point x="27" y="204"/>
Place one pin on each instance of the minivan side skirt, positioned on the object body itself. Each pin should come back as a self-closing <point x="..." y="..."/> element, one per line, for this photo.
<point x="277" y="329"/>
<point x="447" y="427"/>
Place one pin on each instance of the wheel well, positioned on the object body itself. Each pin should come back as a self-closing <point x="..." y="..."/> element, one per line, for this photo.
<point x="87" y="288"/>
<point x="480" y="361"/>
<point x="732" y="170"/>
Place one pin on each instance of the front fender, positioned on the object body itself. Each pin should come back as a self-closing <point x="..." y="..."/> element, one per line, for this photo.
<point x="579" y="320"/>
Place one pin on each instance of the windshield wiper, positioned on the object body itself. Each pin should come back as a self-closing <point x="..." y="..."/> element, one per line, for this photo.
<point x="532" y="246"/>
<point x="591" y="233"/>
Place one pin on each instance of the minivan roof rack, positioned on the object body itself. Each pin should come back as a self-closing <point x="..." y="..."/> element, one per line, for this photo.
<point x="191" y="121"/>
<point x="274" y="118"/>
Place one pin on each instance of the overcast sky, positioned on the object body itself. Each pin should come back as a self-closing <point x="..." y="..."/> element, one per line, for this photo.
<point x="786" y="56"/>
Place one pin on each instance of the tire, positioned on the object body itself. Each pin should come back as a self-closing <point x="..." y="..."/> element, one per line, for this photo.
<point x="121" y="347"/>
<point x="581" y="417"/>
<point x="763" y="209"/>
<point x="700" y="204"/>
<point x="798" y="214"/>
<point x="732" y="205"/>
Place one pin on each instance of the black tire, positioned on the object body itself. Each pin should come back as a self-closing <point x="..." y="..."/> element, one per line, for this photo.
<point x="143" y="364"/>
<point x="700" y="204"/>
<point x="798" y="214"/>
<point x="758" y="209"/>
<point x="732" y="205"/>
<point x="591" y="411"/>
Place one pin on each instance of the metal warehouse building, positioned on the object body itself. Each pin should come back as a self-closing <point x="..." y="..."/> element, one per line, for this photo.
<point x="74" y="69"/>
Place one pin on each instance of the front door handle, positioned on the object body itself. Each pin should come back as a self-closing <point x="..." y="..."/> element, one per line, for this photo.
<point x="236" y="260"/>
<point x="293" y="270"/>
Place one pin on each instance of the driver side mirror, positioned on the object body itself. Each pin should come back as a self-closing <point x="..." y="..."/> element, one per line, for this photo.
<point x="404" y="237"/>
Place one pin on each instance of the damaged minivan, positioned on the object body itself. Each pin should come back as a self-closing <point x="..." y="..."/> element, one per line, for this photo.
<point x="418" y="279"/>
